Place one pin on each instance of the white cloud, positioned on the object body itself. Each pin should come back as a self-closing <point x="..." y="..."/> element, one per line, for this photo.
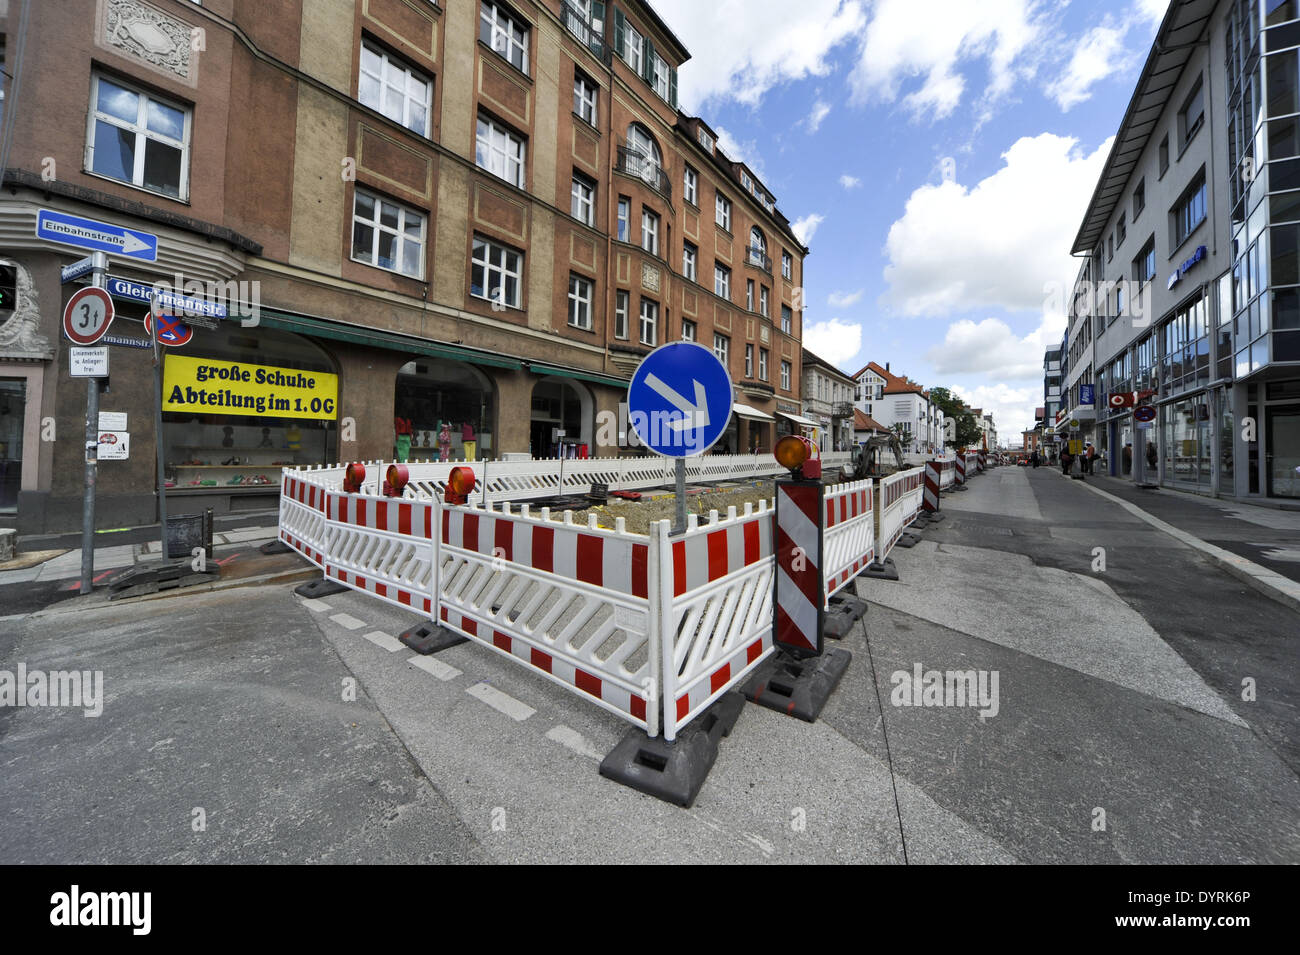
<point x="1152" y="10"/>
<point x="845" y="299"/>
<point x="992" y="348"/>
<point x="803" y="228"/>
<point x="850" y="182"/>
<point x="820" y="111"/>
<point x="736" y="53"/>
<point x="835" y="340"/>
<point x="1003" y="242"/>
<point x="900" y="45"/>
<point x="1012" y="408"/>
<point x="1099" y="53"/>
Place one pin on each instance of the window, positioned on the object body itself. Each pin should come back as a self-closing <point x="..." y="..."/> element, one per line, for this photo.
<point x="649" y="322"/>
<point x="721" y="347"/>
<point x="1164" y="155"/>
<point x="690" y="254"/>
<point x="500" y="151"/>
<point x="649" y="232"/>
<point x="688" y="331"/>
<point x="500" y="30"/>
<point x="620" y="314"/>
<point x="762" y="364"/>
<point x="746" y="181"/>
<point x="706" y="141"/>
<point x="391" y="88"/>
<point x="641" y="142"/>
<point x="632" y="48"/>
<point x="749" y="295"/>
<point x="691" y="186"/>
<point x="749" y="361"/>
<point x="762" y="300"/>
<point x="787" y="265"/>
<point x="496" y="272"/>
<point x="1190" y="211"/>
<point x="1110" y="246"/>
<point x="1139" y="198"/>
<point x="580" y="302"/>
<point x="1144" y="266"/>
<point x="624" y="217"/>
<point x="386" y="235"/>
<point x="1192" y="115"/>
<point x="785" y="376"/>
<point x="787" y="319"/>
<point x="721" y="281"/>
<point x="1119" y="299"/>
<point x="722" y="212"/>
<point x="1121" y="230"/>
<point x="583" y="205"/>
<point x="661" y="82"/>
<point x="139" y="139"/>
<point x="585" y="98"/>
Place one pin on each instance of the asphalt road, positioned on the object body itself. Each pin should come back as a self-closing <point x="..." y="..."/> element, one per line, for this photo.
<point x="1118" y="732"/>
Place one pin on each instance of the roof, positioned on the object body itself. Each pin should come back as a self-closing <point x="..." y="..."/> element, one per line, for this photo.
<point x="680" y="48"/>
<point x="1184" y="22"/>
<point x="810" y="359"/>
<point x="864" y="422"/>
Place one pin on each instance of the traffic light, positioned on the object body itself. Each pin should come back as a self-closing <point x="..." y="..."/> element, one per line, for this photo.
<point x="8" y="288"/>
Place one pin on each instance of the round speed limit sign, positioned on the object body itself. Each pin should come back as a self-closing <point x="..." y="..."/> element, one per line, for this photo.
<point x="87" y="315"/>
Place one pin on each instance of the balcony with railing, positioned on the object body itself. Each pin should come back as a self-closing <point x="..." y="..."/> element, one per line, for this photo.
<point x="633" y="162"/>
<point x="581" y="27"/>
<point x="758" y="259"/>
<point x="842" y="409"/>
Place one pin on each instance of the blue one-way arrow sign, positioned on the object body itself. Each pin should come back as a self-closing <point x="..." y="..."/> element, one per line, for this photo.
<point x="679" y="400"/>
<point x="91" y="234"/>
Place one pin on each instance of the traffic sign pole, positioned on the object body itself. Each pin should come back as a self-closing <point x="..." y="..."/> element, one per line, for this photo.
<point x="679" y="524"/>
<point x="100" y="271"/>
<point x="158" y="438"/>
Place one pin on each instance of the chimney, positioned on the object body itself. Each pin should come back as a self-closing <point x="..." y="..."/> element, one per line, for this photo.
<point x="886" y="366"/>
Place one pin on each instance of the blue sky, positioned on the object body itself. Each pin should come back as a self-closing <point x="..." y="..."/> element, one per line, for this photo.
<point x="940" y="165"/>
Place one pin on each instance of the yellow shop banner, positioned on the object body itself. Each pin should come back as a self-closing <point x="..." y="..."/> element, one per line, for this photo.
<point x="207" y="386"/>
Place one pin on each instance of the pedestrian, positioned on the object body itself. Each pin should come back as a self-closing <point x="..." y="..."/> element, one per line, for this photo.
<point x="1152" y="458"/>
<point x="1089" y="452"/>
<point x="1128" y="458"/>
<point x="1066" y="458"/>
<point x="1033" y="458"/>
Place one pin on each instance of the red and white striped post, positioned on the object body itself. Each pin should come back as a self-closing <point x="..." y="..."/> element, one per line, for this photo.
<point x="959" y="482"/>
<point x="983" y="460"/>
<point x="930" y="497"/>
<point x="799" y="585"/>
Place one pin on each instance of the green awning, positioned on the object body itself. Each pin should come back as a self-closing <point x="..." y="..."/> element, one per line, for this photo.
<point x="378" y="338"/>
<point x="580" y="374"/>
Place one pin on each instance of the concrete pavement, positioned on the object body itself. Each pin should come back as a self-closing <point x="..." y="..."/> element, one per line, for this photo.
<point x="1119" y="733"/>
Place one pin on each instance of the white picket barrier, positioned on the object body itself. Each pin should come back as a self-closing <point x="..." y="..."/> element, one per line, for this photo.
<point x="382" y="546"/>
<point x="849" y="538"/>
<point x="947" y="474"/>
<point x="302" y="515"/>
<point x="716" y="587"/>
<point x="900" y="502"/>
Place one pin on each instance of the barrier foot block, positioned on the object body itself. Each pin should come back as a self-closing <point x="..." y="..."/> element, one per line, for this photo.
<point x="319" y="588"/>
<point x="276" y="547"/>
<point x="799" y="688"/>
<point x="844" y="612"/>
<point x="427" y="638"/>
<point x="936" y="516"/>
<point x="909" y="539"/>
<point x="957" y="487"/>
<point x="673" y="772"/>
<point x="881" y="570"/>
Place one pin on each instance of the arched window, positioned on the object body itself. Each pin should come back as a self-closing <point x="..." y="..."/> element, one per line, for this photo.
<point x="757" y="240"/>
<point x="641" y="143"/>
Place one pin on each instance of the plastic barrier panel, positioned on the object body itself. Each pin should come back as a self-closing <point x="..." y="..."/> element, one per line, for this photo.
<point x="849" y="541"/>
<point x="900" y="502"/>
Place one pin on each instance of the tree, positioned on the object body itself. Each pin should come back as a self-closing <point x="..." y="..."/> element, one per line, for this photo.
<point x="968" y="429"/>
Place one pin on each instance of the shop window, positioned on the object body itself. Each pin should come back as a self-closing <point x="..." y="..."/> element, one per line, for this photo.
<point x="441" y="402"/>
<point x="238" y="407"/>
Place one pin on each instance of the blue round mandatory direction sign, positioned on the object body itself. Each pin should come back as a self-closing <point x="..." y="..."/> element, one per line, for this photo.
<point x="1145" y="413"/>
<point x="679" y="401"/>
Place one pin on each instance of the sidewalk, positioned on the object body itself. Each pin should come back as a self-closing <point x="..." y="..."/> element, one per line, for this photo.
<point x="1260" y="545"/>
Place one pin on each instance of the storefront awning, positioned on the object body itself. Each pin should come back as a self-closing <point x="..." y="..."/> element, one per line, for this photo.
<point x="581" y="374"/>
<point x="797" y="419"/>
<point x="745" y="411"/>
<point x="378" y="338"/>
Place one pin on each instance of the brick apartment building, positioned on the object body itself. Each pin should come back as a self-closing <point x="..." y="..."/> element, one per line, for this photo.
<point x="472" y="214"/>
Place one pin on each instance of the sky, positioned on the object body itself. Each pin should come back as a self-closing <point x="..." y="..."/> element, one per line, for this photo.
<point x="937" y="165"/>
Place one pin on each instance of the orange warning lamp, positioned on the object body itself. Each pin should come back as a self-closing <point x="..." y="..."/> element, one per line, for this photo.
<point x="396" y="480"/>
<point x="354" y="475"/>
<point x="460" y="483"/>
<point x="796" y="453"/>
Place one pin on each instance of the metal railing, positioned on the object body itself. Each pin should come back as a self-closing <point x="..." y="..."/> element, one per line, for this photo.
<point x="637" y="164"/>
<point x="758" y="259"/>
<point x="578" y="24"/>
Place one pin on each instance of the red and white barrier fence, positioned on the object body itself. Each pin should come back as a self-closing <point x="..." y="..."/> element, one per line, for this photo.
<point x="900" y="503"/>
<point x="653" y="629"/>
